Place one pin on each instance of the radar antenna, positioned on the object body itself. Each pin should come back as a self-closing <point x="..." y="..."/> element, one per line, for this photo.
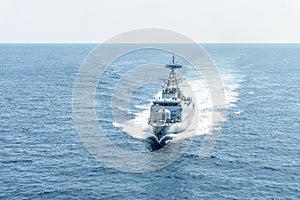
<point x="173" y="66"/>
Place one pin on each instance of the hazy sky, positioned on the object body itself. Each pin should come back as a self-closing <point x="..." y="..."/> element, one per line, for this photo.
<point x="98" y="20"/>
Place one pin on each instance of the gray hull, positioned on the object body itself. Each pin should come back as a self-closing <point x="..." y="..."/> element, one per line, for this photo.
<point x="161" y="131"/>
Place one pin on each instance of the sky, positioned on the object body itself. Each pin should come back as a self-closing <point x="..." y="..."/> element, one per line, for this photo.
<point x="204" y="21"/>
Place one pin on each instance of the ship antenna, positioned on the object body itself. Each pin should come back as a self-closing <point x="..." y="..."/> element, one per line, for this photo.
<point x="173" y="59"/>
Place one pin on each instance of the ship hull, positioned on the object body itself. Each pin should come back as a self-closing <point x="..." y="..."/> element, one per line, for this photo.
<point x="162" y="131"/>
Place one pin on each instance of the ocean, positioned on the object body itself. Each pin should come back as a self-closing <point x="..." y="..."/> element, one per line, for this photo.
<point x="256" y="156"/>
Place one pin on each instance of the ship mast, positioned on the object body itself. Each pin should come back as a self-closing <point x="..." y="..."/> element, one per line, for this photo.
<point x="172" y="82"/>
<point x="173" y="59"/>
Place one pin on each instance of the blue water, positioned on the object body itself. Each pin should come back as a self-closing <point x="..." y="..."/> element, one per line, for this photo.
<point x="257" y="155"/>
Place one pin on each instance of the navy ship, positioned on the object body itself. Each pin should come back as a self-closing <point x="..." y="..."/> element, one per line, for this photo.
<point x="170" y="110"/>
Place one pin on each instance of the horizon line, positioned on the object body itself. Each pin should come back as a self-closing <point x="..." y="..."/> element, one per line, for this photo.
<point x="79" y="42"/>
